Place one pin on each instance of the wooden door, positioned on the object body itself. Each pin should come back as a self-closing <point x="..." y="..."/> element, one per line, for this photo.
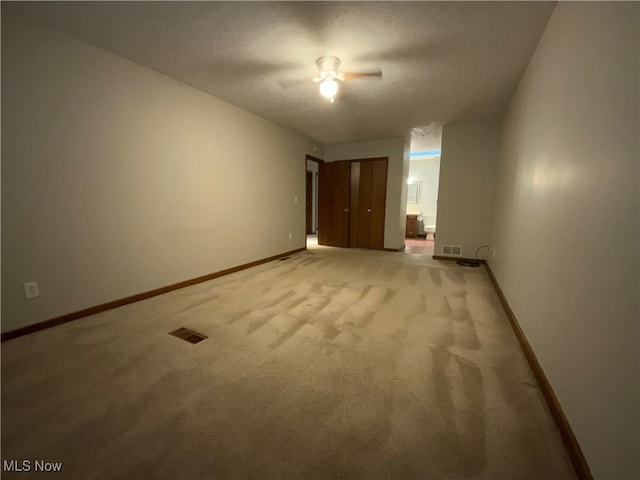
<point x="360" y="221"/>
<point x="368" y="202"/>
<point x="378" y="202"/>
<point x="333" y="203"/>
<point x="309" y="205"/>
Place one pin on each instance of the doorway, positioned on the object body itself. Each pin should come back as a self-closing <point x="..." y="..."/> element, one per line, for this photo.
<point x="312" y="168"/>
<point x="422" y="202"/>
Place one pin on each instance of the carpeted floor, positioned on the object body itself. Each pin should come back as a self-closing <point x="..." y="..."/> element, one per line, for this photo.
<point x="331" y="364"/>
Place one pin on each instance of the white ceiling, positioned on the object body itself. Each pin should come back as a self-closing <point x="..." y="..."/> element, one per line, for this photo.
<point x="442" y="61"/>
<point x="426" y="138"/>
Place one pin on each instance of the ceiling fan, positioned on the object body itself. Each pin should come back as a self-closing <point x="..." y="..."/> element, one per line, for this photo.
<point x="329" y="76"/>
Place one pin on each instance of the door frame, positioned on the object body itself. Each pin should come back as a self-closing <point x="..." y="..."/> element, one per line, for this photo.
<point x="308" y="200"/>
<point x="318" y="161"/>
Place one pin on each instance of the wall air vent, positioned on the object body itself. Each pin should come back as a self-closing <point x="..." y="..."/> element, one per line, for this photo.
<point x="452" y="250"/>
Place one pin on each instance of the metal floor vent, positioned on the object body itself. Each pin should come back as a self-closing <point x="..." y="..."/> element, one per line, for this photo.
<point x="283" y="258"/>
<point x="452" y="250"/>
<point x="188" y="335"/>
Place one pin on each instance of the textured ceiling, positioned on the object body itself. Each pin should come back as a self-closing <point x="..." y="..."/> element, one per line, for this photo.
<point x="426" y="138"/>
<point x="442" y="61"/>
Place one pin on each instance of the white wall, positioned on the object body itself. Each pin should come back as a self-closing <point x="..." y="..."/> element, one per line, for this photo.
<point x="468" y="165"/>
<point x="427" y="171"/>
<point x="117" y="180"/>
<point x="394" y="149"/>
<point x="566" y="226"/>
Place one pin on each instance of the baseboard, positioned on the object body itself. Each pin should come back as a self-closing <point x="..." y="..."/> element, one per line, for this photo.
<point x="570" y="442"/>
<point x="443" y="257"/>
<point x="401" y="249"/>
<point x="69" y="317"/>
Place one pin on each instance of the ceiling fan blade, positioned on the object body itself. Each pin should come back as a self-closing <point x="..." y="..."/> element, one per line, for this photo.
<point x="352" y="75"/>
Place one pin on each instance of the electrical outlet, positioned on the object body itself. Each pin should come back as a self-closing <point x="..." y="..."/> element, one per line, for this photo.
<point x="295" y="199"/>
<point x="291" y="236"/>
<point x="31" y="289"/>
<point x="493" y="253"/>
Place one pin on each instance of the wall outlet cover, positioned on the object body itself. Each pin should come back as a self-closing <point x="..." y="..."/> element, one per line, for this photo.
<point x="31" y="289"/>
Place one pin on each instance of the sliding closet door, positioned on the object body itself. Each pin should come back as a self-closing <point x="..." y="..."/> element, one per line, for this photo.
<point x="360" y="222"/>
<point x="378" y="202"/>
<point x="368" y="199"/>
<point x="334" y="182"/>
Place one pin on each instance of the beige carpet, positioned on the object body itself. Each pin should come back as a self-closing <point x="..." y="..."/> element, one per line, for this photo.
<point x="332" y="364"/>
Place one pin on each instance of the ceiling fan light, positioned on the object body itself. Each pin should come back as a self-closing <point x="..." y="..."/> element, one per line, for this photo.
<point x="328" y="88"/>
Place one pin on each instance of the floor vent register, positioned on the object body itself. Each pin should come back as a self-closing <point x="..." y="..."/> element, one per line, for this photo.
<point x="188" y="335"/>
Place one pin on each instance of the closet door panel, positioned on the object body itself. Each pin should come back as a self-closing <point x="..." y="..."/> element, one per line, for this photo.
<point x="334" y="183"/>
<point x="353" y="217"/>
<point x="378" y="202"/>
<point x="364" y="206"/>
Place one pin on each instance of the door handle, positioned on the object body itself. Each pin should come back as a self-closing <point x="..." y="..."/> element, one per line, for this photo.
<point x="368" y="210"/>
<point x="346" y="209"/>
